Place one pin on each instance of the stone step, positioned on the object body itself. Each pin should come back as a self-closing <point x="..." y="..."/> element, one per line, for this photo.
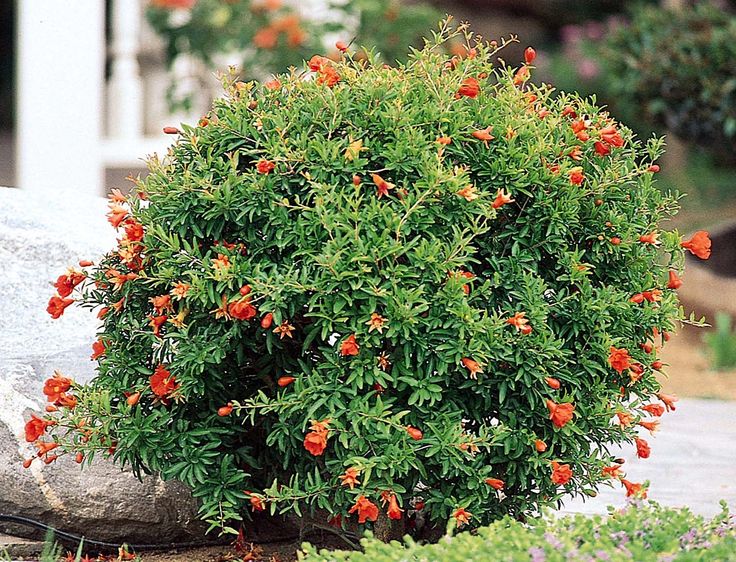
<point x="19" y="549"/>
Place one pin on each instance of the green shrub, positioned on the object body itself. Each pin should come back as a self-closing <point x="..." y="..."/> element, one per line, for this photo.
<point x="380" y="286"/>
<point x="722" y="343"/>
<point x="644" y="534"/>
<point x="678" y="70"/>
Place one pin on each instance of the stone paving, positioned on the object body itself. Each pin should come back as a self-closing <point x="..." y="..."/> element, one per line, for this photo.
<point x="693" y="461"/>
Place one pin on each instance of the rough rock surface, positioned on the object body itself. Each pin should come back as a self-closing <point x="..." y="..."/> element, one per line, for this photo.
<point x="40" y="236"/>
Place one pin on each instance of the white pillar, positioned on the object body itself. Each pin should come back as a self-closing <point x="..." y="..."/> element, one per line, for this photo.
<point x="61" y="50"/>
<point x="125" y="88"/>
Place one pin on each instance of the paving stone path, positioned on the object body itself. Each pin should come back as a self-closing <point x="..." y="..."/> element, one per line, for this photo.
<point x="693" y="461"/>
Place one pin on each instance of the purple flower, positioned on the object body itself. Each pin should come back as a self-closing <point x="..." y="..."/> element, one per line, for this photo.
<point x="537" y="554"/>
<point x="602" y="555"/>
<point x="553" y="541"/>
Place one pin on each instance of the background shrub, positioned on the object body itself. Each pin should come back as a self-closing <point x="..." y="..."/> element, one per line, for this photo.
<point x="381" y="292"/>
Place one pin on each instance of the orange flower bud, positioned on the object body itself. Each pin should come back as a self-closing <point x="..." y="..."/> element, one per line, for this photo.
<point x="285" y="381"/>
<point x="529" y="55"/>
<point x="226" y="410"/>
<point x="133" y="399"/>
<point x="414" y="433"/>
<point x="171" y="131"/>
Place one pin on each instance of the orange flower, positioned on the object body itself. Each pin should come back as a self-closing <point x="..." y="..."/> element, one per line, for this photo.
<point x="341" y="46"/>
<point x="495" y="483"/>
<point x="651" y="426"/>
<point x="624" y="418"/>
<point x="285" y="381"/>
<point x="256" y="502"/>
<point x="580" y="127"/>
<point x="642" y="448"/>
<point x="57" y="306"/>
<point x="394" y="511"/>
<point x="674" y="281"/>
<point x="501" y="199"/>
<point x="601" y="149"/>
<point x="518" y="320"/>
<point x="367" y="510"/>
<point x="561" y="473"/>
<point x="161" y="303"/>
<point x="284" y="330"/>
<point x="266" y="38"/>
<point x="225" y="410"/>
<point x="315" y="442"/>
<point x="242" y="310"/>
<point x="36" y="427"/>
<point x="44" y="447"/>
<point x="469" y="193"/>
<point x="221" y="262"/>
<point x="163" y="383"/>
<point x="651" y="238"/>
<point x="98" y="349"/>
<point x="265" y="166"/>
<point x="328" y="76"/>
<point x="462" y="516"/>
<point x="576" y="175"/>
<point x="117" y="215"/>
<point x="469" y="88"/>
<point x="611" y="136"/>
<point x="66" y="283"/>
<point x="576" y="154"/>
<point x="133" y="230"/>
<point x="156" y="322"/>
<point x="654" y="409"/>
<point x="350" y="478"/>
<point x="552" y="383"/>
<point x="443" y="140"/>
<point x="540" y="446"/>
<point x="619" y="359"/>
<point x="383" y="185"/>
<point x="632" y="489"/>
<point x="521" y="75"/>
<point x="376" y="322"/>
<point x="560" y="414"/>
<point x="484" y="134"/>
<point x="699" y="245"/>
<point x="472" y="366"/>
<point x="669" y="401"/>
<point x="613" y="471"/>
<point x="414" y="433"/>
<point x="349" y="346"/>
<point x="180" y="290"/>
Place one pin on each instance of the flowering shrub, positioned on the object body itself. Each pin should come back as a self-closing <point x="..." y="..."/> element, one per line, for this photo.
<point x="375" y="292"/>
<point x="645" y="533"/>
<point x="269" y="35"/>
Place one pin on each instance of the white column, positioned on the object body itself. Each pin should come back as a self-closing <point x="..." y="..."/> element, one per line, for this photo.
<point x="125" y="88"/>
<point x="61" y="50"/>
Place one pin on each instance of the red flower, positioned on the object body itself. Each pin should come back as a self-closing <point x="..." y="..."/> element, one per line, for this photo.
<point x="472" y="366"/>
<point x="654" y="409"/>
<point x="674" y="281"/>
<point x="619" y="359"/>
<point x="98" y="349"/>
<point x="156" y="322"/>
<point x="315" y="443"/>
<point x="350" y="478"/>
<point x="642" y="448"/>
<point x="576" y="175"/>
<point x="529" y="55"/>
<point x="285" y="381"/>
<point x="265" y="166"/>
<point x="394" y="511"/>
<point x="611" y="136"/>
<point x="317" y="62"/>
<point x="225" y="410"/>
<point x="540" y="446"/>
<point x="699" y="245"/>
<point x="414" y="433"/>
<point x="133" y="230"/>
<point x="242" y="310"/>
<point x="501" y="199"/>
<point x="36" y="427"/>
<point x="341" y="46"/>
<point x="495" y="483"/>
<point x="462" y="516"/>
<point x="561" y="473"/>
<point x="349" y="346"/>
<point x="383" y="185"/>
<point x="367" y="510"/>
<point x="552" y="383"/>
<point x="469" y="88"/>
<point x="163" y="383"/>
<point x="256" y="503"/>
<point x="55" y="387"/>
<point x="560" y="414"/>
<point x="57" y="305"/>
<point x="328" y="76"/>
<point x="633" y="489"/>
<point x="601" y="149"/>
<point x="65" y="283"/>
<point x="580" y="127"/>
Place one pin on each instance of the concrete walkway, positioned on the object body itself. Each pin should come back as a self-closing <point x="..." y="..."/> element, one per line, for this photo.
<point x="693" y="461"/>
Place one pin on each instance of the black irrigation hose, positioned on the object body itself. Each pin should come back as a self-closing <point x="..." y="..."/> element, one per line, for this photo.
<point x="64" y="536"/>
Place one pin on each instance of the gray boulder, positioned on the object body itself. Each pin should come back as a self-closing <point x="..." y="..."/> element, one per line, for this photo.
<point x="40" y="236"/>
